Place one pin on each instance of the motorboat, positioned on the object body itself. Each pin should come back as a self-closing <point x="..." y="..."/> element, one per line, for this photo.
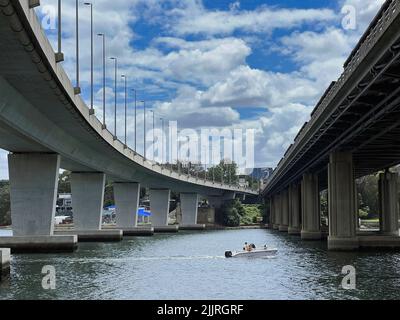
<point x="254" y="253"/>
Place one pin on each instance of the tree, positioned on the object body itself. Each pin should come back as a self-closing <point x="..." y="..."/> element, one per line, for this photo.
<point x="5" y="211"/>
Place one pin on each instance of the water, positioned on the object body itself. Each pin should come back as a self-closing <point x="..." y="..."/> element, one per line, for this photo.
<point x="192" y="266"/>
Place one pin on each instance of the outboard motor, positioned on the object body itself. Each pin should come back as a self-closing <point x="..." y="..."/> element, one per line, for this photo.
<point x="253" y="245"/>
<point x="228" y="254"/>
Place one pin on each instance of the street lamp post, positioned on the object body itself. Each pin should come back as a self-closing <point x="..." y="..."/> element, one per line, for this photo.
<point x="162" y="140"/>
<point x="152" y="111"/>
<point x="59" y="54"/>
<point x="91" y="56"/>
<point x="115" y="96"/>
<point x="144" y="129"/>
<point x="104" y="78"/>
<point x="77" y="89"/>
<point x="134" y="90"/>
<point x="125" y="79"/>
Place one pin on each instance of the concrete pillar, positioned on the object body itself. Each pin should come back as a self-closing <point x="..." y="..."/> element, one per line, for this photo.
<point x="311" y="227"/>
<point x="388" y="203"/>
<point x="284" y="211"/>
<point x="33" y="192"/>
<point x="4" y="263"/>
<point x="159" y="206"/>
<point x="87" y="190"/>
<point x="189" y="207"/>
<point x="342" y="202"/>
<point x="277" y="205"/>
<point x="126" y="196"/>
<point x="271" y="212"/>
<point x="294" y="209"/>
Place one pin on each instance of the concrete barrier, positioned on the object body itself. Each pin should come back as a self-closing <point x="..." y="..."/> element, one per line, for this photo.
<point x="192" y="227"/>
<point x="94" y="235"/>
<point x="166" y="229"/>
<point x="4" y="263"/>
<point x="40" y="244"/>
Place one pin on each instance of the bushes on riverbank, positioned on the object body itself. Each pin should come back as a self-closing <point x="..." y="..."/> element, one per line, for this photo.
<point x="5" y="212"/>
<point x="233" y="214"/>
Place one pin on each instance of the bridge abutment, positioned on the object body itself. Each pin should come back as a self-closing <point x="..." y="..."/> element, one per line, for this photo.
<point x="311" y="224"/>
<point x="388" y="204"/>
<point x="294" y="209"/>
<point x="342" y="203"/>
<point x="284" y="197"/>
<point x="33" y="194"/>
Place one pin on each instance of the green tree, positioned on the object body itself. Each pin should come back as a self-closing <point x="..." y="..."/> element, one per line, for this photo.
<point x="5" y="211"/>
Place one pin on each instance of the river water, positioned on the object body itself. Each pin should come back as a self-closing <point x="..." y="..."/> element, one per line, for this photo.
<point x="191" y="265"/>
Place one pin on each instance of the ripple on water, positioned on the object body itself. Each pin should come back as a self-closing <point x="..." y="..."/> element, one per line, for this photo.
<point x="191" y="265"/>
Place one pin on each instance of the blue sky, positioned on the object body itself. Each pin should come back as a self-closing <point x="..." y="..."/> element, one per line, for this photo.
<point x="259" y="64"/>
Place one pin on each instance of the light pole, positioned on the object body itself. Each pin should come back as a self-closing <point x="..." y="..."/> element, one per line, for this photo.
<point x="77" y="89"/>
<point x="134" y="90"/>
<point x="91" y="56"/>
<point x="104" y="78"/>
<point x="152" y="111"/>
<point x="115" y="96"/>
<point x="125" y="79"/>
<point x="59" y="54"/>
<point x="162" y="140"/>
<point x="144" y="129"/>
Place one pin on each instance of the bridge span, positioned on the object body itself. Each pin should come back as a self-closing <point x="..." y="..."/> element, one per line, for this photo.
<point x="353" y="131"/>
<point x="46" y="126"/>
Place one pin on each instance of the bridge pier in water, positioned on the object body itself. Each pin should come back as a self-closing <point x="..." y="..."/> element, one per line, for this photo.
<point x="277" y="212"/>
<point x="159" y="207"/>
<point x="189" y="207"/>
<point x="284" y="206"/>
<point x="310" y="201"/>
<point x="294" y="209"/>
<point x="126" y="196"/>
<point x="87" y="189"/>
<point x="388" y="204"/>
<point x="342" y="202"/>
<point x="33" y="194"/>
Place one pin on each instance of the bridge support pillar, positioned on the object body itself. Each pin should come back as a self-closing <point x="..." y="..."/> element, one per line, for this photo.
<point x="189" y="207"/>
<point x="283" y="227"/>
<point x="126" y="197"/>
<point x="159" y="206"/>
<point x="271" y="213"/>
<point x="311" y="226"/>
<point x="294" y="209"/>
<point x="87" y="200"/>
<point x="388" y="203"/>
<point x="277" y="211"/>
<point x="342" y="202"/>
<point x="33" y="191"/>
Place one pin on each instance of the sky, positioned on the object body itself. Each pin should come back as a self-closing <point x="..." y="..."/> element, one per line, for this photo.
<point x="259" y="64"/>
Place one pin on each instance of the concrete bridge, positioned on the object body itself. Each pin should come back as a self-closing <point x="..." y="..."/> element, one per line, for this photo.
<point x="46" y="126"/>
<point x="354" y="130"/>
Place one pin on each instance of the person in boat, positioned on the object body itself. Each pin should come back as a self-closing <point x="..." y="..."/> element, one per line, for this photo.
<point x="248" y="247"/>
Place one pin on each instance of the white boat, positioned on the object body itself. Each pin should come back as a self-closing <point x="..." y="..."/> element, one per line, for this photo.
<point x="255" y="253"/>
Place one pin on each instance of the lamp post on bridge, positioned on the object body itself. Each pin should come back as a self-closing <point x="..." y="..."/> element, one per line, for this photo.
<point x="152" y="111"/>
<point x="91" y="55"/>
<point x="115" y="96"/>
<point x="162" y="140"/>
<point x="77" y="89"/>
<point x="144" y="129"/>
<point x="59" y="54"/>
<point x="134" y="90"/>
<point x="125" y="80"/>
<point x="103" y="36"/>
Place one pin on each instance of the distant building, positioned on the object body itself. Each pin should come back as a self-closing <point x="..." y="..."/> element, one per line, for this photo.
<point x="64" y="204"/>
